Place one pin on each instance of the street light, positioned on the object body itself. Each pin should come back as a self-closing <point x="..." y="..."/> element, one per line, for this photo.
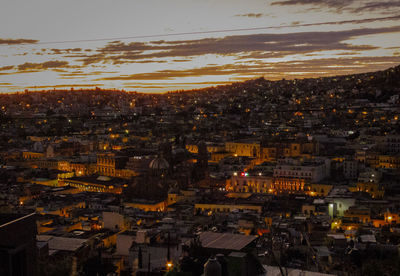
<point x="170" y="265"/>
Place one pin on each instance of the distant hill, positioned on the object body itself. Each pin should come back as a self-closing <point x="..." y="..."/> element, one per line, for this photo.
<point x="378" y="85"/>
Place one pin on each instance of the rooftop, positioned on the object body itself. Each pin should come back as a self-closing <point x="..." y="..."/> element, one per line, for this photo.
<point x="225" y="240"/>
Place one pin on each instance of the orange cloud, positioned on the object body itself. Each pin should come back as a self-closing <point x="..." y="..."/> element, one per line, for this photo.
<point x="17" y="41"/>
<point x="42" y="66"/>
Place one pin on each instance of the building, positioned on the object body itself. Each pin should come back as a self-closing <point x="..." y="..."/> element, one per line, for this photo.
<point x="250" y="184"/>
<point x="389" y="161"/>
<point x="313" y="170"/>
<point x="101" y="184"/>
<point x="350" y="169"/>
<point x="243" y="148"/>
<point x="392" y="144"/>
<point x="227" y="207"/>
<point x="17" y="245"/>
<point x="108" y="164"/>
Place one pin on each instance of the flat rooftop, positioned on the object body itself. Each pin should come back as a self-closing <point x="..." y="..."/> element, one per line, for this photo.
<point x="102" y="180"/>
<point x="61" y="243"/>
<point x="225" y="240"/>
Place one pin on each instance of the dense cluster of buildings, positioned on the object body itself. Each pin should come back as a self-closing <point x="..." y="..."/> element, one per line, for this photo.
<point x="256" y="178"/>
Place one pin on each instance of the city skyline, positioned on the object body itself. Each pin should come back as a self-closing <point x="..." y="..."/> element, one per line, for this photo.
<point x="158" y="46"/>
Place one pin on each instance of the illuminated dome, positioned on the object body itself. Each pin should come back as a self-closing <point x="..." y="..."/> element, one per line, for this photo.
<point x="159" y="163"/>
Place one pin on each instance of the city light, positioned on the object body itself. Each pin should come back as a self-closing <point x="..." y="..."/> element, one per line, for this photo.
<point x="169" y="265"/>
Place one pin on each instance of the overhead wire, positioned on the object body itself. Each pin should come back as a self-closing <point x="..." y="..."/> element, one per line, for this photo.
<point x="367" y="20"/>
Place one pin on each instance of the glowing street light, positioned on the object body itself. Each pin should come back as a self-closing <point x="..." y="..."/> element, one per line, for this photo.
<point x="169" y="265"/>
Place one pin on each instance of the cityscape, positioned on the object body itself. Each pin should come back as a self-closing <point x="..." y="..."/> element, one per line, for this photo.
<point x="255" y="178"/>
<point x="200" y="138"/>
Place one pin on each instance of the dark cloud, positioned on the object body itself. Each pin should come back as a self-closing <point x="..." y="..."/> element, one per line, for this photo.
<point x="254" y="15"/>
<point x="42" y="66"/>
<point x="79" y="73"/>
<point x="245" y="46"/>
<point x="344" y="5"/>
<point x="5" y="68"/>
<point x="337" y="4"/>
<point x="17" y="41"/>
<point x="64" y="86"/>
<point x="172" y="74"/>
<point x="56" y="51"/>
<point x="378" y="6"/>
<point x="290" y="69"/>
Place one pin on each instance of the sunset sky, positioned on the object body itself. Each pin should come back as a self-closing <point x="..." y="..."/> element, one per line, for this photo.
<point x="162" y="45"/>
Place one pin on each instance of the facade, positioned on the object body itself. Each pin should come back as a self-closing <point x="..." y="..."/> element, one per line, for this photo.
<point x="389" y="161"/>
<point x="392" y="144"/>
<point x="273" y="151"/>
<point x="243" y="148"/>
<point x="100" y="184"/>
<point x="148" y="206"/>
<point x="250" y="184"/>
<point x="28" y="155"/>
<point x="350" y="169"/>
<point x="225" y="208"/>
<point x="283" y="185"/>
<point x="312" y="170"/>
<point x="320" y="190"/>
<point x="108" y="164"/>
<point x="339" y="205"/>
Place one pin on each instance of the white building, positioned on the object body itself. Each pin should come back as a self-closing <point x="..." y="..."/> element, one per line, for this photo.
<point x="313" y="170"/>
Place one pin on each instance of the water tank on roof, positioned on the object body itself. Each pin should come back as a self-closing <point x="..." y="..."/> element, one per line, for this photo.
<point x="212" y="267"/>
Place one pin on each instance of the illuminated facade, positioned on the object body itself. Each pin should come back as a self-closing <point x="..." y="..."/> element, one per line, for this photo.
<point x="210" y="148"/>
<point x="28" y="155"/>
<point x="363" y="215"/>
<point x="80" y="169"/>
<point x="389" y="161"/>
<point x="108" y="164"/>
<point x="148" y="206"/>
<point x="250" y="184"/>
<point x="90" y="184"/>
<point x="288" y="185"/>
<point x="249" y="149"/>
<point x="320" y="190"/>
<point x="271" y="152"/>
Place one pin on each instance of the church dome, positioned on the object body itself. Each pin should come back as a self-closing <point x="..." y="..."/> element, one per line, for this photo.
<point x="159" y="163"/>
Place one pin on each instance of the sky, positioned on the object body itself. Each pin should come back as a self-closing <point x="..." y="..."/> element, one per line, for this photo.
<point x="163" y="45"/>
